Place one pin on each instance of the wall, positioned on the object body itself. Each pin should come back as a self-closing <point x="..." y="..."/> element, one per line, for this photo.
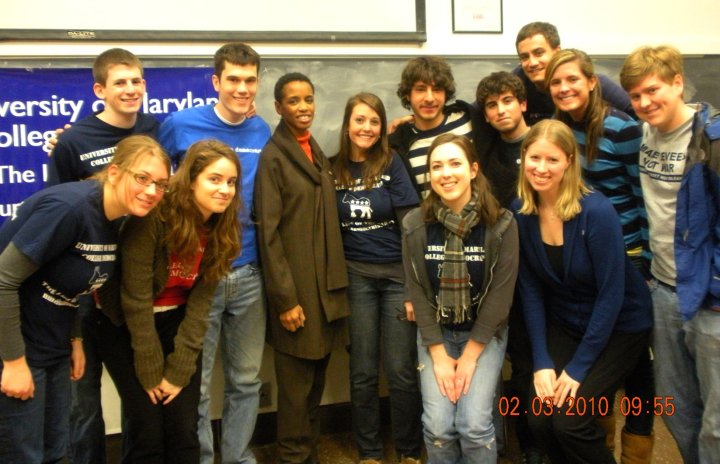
<point x="611" y="27"/>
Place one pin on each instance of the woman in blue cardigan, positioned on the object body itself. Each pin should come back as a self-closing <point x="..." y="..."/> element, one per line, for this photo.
<point x="587" y="307"/>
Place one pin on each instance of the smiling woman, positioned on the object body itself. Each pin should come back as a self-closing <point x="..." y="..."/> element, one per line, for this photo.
<point x="155" y="314"/>
<point x="588" y="324"/>
<point x="304" y="266"/>
<point x="373" y="193"/>
<point x="62" y="245"/>
<point x="460" y="254"/>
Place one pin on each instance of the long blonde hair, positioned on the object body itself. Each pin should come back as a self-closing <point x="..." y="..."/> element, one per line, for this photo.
<point x="572" y="187"/>
<point x="129" y="151"/>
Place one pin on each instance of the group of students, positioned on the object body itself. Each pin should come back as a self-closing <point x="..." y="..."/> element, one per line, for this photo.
<point x="550" y="222"/>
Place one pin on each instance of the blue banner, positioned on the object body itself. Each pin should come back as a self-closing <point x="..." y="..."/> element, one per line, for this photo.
<point x="35" y="102"/>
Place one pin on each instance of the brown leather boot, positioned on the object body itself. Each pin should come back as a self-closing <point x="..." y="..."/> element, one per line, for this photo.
<point x="636" y="449"/>
<point x="608" y="425"/>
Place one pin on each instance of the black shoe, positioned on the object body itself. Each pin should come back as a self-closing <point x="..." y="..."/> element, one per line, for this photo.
<point x="533" y="456"/>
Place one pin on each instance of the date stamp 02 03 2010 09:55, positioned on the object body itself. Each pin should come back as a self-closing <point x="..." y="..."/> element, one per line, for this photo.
<point x="629" y="406"/>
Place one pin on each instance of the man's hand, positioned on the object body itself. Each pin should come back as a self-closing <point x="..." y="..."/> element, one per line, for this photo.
<point x="52" y="141"/>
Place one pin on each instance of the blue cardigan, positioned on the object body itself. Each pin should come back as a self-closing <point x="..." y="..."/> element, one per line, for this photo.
<point x="599" y="293"/>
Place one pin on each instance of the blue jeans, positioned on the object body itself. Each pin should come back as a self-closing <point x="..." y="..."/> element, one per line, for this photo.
<point x="87" y="427"/>
<point x="462" y="432"/>
<point x="237" y="321"/>
<point x="378" y="329"/>
<point x="36" y="430"/>
<point x="687" y="367"/>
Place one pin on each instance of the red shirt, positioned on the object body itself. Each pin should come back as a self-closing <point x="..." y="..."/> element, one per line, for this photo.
<point x="181" y="277"/>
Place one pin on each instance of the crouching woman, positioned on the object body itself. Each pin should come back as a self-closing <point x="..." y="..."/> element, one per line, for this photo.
<point x="461" y="262"/>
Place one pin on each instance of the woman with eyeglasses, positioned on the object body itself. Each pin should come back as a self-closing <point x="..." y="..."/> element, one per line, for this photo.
<point x="155" y="314"/>
<point x="62" y="244"/>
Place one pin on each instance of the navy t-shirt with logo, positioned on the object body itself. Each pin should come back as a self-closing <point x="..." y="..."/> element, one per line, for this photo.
<point x="63" y="230"/>
<point x="370" y="230"/>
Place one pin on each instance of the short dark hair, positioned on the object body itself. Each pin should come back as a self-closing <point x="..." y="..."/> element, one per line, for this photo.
<point x="109" y="58"/>
<point x="286" y="79"/>
<point x="429" y="69"/>
<point x="236" y="53"/>
<point x="547" y="30"/>
<point x="498" y="83"/>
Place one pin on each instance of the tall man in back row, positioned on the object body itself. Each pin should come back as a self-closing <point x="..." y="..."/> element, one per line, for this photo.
<point x="237" y="315"/>
<point x="536" y="44"/>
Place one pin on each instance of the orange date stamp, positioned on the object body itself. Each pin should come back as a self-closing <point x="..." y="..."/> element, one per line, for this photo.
<point x="580" y="406"/>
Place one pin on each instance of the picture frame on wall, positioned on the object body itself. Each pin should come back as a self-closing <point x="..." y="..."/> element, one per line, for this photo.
<point x="472" y="16"/>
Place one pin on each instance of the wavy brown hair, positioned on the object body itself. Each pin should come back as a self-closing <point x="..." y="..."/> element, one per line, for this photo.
<point x="185" y="222"/>
<point x="597" y="109"/>
<point x="378" y="156"/>
<point x="487" y="206"/>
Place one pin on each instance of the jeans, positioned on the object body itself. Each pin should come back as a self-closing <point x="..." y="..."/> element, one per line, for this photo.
<point x="378" y="329"/>
<point x="687" y="367"/>
<point x="461" y="432"/>
<point x="36" y="430"/>
<point x="237" y="321"/>
<point x="87" y="427"/>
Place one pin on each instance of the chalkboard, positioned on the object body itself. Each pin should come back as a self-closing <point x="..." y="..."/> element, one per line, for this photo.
<point x="336" y="79"/>
<point x="220" y="20"/>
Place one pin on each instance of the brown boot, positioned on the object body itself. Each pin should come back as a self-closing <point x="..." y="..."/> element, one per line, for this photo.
<point x="636" y="449"/>
<point x="607" y="423"/>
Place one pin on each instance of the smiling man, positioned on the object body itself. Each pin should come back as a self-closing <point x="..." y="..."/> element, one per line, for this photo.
<point x="238" y="310"/>
<point x="426" y="85"/>
<point x="536" y="44"/>
<point x="80" y="152"/>
<point x="88" y="146"/>
<point x="679" y="167"/>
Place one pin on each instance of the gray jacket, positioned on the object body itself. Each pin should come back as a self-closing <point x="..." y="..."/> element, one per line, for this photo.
<point x="501" y="269"/>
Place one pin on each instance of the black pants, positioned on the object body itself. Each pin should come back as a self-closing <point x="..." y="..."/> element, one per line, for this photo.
<point x="300" y="387"/>
<point x="521" y="378"/>
<point x="154" y="433"/>
<point x="572" y="435"/>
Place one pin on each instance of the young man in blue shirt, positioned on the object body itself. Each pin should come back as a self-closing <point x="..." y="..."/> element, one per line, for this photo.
<point x="237" y="316"/>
